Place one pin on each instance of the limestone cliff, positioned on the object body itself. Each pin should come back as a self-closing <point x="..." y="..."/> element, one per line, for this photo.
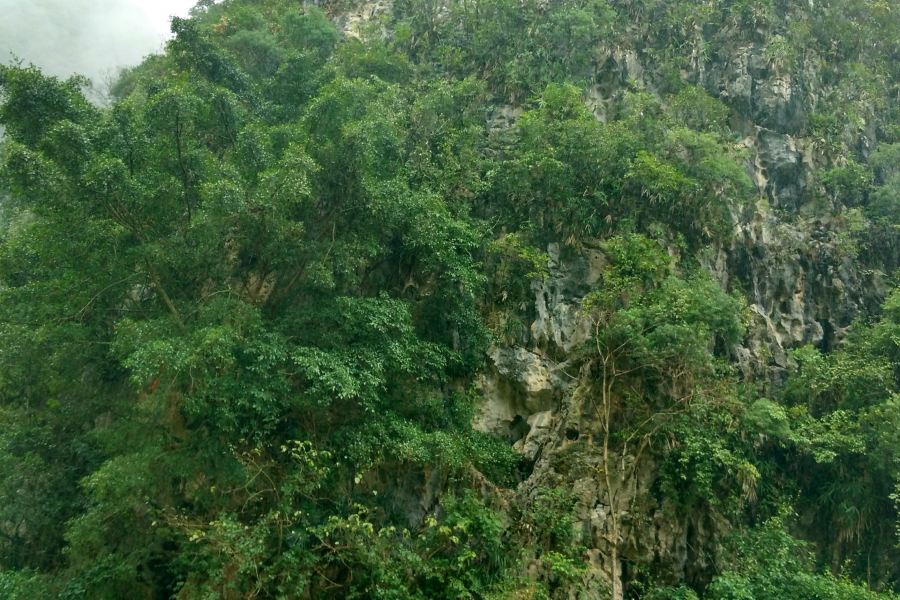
<point x="804" y="279"/>
<point x="802" y="283"/>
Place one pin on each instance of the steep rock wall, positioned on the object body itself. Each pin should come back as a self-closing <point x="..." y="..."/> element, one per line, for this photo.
<point x="803" y="280"/>
<point x="804" y="284"/>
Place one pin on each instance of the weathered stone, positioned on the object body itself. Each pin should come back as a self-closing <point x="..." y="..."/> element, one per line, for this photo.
<point x="801" y="283"/>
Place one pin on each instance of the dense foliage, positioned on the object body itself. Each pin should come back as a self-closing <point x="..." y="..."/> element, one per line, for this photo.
<point x="243" y="308"/>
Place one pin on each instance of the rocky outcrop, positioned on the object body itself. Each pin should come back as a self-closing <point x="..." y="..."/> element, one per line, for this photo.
<point x="518" y="385"/>
<point x="793" y="262"/>
<point x="539" y="405"/>
<point x="803" y="285"/>
<point x="790" y="257"/>
<point x="355" y="22"/>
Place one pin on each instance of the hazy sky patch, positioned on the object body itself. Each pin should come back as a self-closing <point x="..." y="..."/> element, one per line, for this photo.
<point x="90" y="37"/>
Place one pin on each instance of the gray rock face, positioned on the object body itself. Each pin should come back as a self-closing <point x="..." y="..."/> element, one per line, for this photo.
<point x="560" y="324"/>
<point x="354" y="22"/>
<point x="518" y="385"/>
<point x="770" y="98"/>
<point x="540" y="407"/>
<point x="783" y="167"/>
<point x="802" y="288"/>
<point x="803" y="284"/>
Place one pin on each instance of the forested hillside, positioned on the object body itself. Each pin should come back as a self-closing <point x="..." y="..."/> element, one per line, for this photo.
<point x="489" y="299"/>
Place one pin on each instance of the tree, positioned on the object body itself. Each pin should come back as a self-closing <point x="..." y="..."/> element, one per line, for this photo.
<point x="651" y="360"/>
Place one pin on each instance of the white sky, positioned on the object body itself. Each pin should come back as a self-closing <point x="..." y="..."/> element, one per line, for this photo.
<point x="90" y="37"/>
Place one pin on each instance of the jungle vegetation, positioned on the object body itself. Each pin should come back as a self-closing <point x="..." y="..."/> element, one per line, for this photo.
<point x="243" y="303"/>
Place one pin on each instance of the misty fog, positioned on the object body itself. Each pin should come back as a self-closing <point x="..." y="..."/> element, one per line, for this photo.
<point x="90" y="37"/>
